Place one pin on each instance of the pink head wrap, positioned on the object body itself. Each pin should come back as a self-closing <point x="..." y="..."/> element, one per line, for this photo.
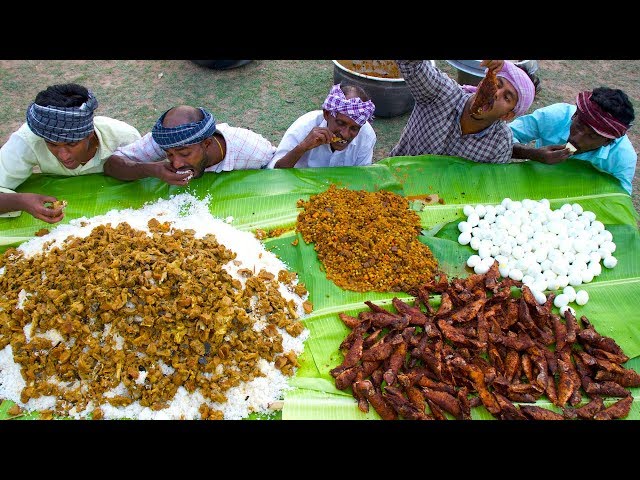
<point x="520" y="81"/>
<point x="603" y="123"/>
<point x="354" y="108"/>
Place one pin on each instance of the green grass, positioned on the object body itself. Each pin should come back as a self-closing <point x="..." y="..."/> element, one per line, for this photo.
<point x="264" y="95"/>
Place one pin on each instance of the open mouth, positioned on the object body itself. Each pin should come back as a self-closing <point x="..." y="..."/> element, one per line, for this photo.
<point x="189" y="171"/>
<point x="339" y="141"/>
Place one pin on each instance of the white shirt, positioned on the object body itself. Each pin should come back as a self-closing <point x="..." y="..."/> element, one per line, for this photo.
<point x="359" y="152"/>
<point x="245" y="150"/>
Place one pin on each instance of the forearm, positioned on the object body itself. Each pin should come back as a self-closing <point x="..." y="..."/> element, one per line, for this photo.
<point x="125" y="169"/>
<point x="521" y="151"/>
<point x="11" y="202"/>
<point x="291" y="158"/>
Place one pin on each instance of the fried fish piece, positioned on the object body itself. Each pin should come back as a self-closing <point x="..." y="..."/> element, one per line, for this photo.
<point x="620" y="409"/>
<point x="486" y="94"/>
<point x="566" y="378"/>
<point x="628" y="378"/>
<point x="539" y="413"/>
<point x="488" y="400"/>
<point x="508" y="409"/>
<point x="592" y="337"/>
<point x="403" y="406"/>
<point x="445" y="401"/>
<point x="375" y="398"/>
<point x="395" y="363"/>
<point x="415" y="315"/>
<point x="590" y="409"/>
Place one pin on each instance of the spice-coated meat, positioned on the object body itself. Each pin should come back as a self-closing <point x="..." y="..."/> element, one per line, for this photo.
<point x="485" y="95"/>
<point x="508" y="410"/>
<point x="629" y="378"/>
<point x="593" y="338"/>
<point x="505" y="349"/>
<point x="415" y="315"/>
<point x="538" y="413"/>
<point x="402" y="405"/>
<point x="620" y="409"/>
<point x="395" y="362"/>
<point x="599" y="353"/>
<point x="447" y="402"/>
<point x="446" y="305"/>
<point x="588" y="410"/>
<point x="375" y="398"/>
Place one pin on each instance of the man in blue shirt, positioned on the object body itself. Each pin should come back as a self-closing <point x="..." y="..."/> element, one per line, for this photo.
<point x="595" y="127"/>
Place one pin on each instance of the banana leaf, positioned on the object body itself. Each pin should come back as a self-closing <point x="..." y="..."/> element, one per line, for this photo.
<point x="267" y="199"/>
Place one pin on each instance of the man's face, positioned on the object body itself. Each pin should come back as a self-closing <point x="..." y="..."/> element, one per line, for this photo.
<point x="342" y="127"/>
<point x="189" y="157"/>
<point x="72" y="154"/>
<point x="505" y="101"/>
<point x="583" y="137"/>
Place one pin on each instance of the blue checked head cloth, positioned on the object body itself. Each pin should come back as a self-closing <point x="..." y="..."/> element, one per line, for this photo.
<point x="182" y="135"/>
<point x="354" y="108"/>
<point x="62" y="124"/>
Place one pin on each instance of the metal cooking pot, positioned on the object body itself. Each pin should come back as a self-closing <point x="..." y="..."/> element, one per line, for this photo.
<point x="391" y="96"/>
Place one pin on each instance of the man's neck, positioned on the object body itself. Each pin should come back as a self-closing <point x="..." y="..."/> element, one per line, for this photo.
<point x="470" y="125"/>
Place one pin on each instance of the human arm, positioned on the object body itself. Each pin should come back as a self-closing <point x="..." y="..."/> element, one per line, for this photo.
<point x="294" y="150"/>
<point x="141" y="159"/>
<point x="549" y="154"/>
<point x="32" y="203"/>
<point x="543" y="126"/>
<point x="426" y="82"/>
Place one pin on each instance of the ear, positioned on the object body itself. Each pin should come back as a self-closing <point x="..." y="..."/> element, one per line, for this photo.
<point x="326" y="115"/>
<point x="207" y="142"/>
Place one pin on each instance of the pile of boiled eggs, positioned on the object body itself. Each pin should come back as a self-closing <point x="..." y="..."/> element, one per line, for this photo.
<point x="545" y="249"/>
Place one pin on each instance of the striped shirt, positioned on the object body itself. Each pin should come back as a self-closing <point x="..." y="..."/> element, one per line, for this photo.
<point x="245" y="150"/>
<point x="434" y="124"/>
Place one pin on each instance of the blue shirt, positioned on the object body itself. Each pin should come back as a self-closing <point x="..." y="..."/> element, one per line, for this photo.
<point x="550" y="126"/>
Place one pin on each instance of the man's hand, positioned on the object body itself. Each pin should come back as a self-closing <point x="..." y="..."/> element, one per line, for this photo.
<point x="551" y="154"/>
<point x="316" y="137"/>
<point x="34" y="204"/>
<point x="165" y="172"/>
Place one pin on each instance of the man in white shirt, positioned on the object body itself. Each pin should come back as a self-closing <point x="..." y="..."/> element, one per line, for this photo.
<point x="185" y="143"/>
<point x="339" y="135"/>
<point x="61" y="137"/>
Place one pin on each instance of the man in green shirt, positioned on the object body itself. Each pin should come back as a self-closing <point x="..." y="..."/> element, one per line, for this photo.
<point x="61" y="136"/>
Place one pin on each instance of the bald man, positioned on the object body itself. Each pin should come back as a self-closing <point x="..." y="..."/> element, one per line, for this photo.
<point x="186" y="142"/>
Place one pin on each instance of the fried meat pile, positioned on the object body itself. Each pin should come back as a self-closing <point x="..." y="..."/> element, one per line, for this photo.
<point x="366" y="241"/>
<point x="142" y="315"/>
<point x="484" y="345"/>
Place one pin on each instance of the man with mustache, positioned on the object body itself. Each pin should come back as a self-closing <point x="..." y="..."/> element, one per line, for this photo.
<point x="339" y="135"/>
<point x="186" y="142"/>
